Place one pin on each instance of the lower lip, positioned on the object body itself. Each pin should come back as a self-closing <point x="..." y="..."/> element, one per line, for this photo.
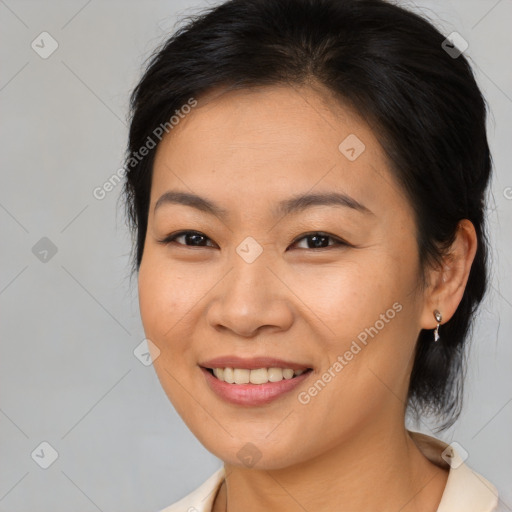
<point x="252" y="394"/>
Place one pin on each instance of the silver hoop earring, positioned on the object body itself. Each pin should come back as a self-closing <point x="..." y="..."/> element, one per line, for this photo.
<point x="438" y="317"/>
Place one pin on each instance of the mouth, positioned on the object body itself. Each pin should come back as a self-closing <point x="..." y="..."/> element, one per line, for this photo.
<point x="253" y="382"/>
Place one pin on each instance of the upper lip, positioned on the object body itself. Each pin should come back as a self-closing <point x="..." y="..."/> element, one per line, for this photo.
<point x="251" y="363"/>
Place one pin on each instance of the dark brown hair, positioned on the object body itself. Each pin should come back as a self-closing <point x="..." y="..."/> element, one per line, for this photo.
<point x="391" y="66"/>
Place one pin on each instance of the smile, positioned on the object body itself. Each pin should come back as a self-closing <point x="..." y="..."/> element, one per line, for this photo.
<point x="255" y="387"/>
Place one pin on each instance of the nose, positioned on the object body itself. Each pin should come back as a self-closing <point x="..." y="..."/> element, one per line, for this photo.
<point x="251" y="298"/>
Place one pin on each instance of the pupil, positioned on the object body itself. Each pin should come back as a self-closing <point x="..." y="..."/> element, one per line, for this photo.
<point x="194" y="237"/>
<point x="318" y="240"/>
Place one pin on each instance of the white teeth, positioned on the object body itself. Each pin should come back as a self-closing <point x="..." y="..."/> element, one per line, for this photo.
<point x="241" y="376"/>
<point x="275" y="374"/>
<point x="288" y="373"/>
<point x="228" y="376"/>
<point x="257" y="376"/>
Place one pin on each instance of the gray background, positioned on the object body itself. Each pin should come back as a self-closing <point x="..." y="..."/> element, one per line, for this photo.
<point x="70" y="324"/>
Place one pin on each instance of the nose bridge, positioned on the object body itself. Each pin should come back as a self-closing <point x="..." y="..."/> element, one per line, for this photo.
<point x="250" y="275"/>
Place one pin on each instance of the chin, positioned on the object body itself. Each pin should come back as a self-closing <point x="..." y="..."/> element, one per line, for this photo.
<point x="254" y="451"/>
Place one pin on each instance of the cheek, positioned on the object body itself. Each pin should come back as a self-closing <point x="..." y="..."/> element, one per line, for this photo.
<point x="166" y="290"/>
<point x="348" y="296"/>
<point x="368" y="314"/>
<point x="154" y="302"/>
<point x="171" y="298"/>
<point x="163" y="300"/>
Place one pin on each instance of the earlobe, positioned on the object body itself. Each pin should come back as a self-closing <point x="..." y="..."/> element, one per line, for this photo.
<point x="448" y="283"/>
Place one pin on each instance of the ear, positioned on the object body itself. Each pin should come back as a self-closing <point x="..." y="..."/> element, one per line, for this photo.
<point x="447" y="284"/>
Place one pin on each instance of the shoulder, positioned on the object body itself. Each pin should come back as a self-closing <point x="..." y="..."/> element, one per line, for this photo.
<point x="466" y="490"/>
<point x="201" y="499"/>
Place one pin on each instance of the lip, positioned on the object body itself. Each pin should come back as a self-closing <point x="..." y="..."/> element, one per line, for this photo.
<point x="251" y="395"/>
<point x="252" y="363"/>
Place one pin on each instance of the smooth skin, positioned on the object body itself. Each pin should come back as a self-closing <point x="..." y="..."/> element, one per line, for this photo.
<point x="245" y="151"/>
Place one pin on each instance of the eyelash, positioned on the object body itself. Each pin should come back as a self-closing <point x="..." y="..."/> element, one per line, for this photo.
<point x="338" y="241"/>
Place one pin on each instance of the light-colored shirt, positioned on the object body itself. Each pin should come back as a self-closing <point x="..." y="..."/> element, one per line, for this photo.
<point x="465" y="490"/>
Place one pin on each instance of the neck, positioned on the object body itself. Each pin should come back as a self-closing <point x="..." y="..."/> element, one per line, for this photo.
<point x="376" y="469"/>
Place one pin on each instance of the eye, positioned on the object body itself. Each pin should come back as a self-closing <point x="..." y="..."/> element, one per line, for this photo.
<point x="319" y="240"/>
<point x="190" y="239"/>
<point x="314" y="240"/>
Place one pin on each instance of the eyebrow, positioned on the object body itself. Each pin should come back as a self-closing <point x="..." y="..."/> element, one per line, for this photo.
<point x="294" y="204"/>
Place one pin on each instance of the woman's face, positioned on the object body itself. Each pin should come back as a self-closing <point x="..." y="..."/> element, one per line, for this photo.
<point x="328" y="283"/>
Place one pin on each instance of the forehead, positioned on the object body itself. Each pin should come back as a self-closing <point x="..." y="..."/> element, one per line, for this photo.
<point x="249" y="144"/>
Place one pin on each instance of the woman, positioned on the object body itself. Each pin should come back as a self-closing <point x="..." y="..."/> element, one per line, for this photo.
<point x="306" y="183"/>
